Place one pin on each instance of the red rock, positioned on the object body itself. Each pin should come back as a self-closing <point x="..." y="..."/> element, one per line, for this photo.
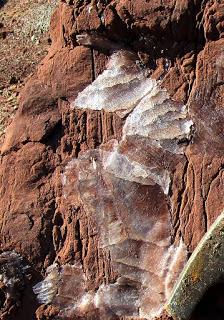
<point x="180" y="45"/>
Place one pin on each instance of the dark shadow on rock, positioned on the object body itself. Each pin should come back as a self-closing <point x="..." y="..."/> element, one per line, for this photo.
<point x="211" y="307"/>
<point x="3" y="2"/>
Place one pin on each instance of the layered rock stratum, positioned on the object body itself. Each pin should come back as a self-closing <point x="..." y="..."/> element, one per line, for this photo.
<point x="112" y="169"/>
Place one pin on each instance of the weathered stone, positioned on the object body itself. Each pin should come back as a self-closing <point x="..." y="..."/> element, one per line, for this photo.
<point x="124" y="186"/>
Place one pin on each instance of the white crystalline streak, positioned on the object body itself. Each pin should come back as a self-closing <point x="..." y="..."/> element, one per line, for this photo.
<point x="178" y="257"/>
<point x="173" y="260"/>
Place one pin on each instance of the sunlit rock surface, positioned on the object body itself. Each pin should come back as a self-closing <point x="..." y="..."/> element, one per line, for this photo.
<point x="149" y="161"/>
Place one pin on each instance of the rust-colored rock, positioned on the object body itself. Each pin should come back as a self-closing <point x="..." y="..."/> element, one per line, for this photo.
<point x="173" y="172"/>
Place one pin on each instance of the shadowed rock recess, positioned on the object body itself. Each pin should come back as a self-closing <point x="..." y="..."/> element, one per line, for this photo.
<point x="112" y="169"/>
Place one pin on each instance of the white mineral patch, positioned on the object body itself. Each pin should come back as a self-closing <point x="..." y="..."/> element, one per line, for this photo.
<point x="160" y="120"/>
<point x="13" y="269"/>
<point x="123" y="88"/>
<point x="113" y="184"/>
<point x="47" y="289"/>
<point x="118" y="89"/>
<point x="122" y="302"/>
<point x="149" y="301"/>
<point x="116" y="233"/>
<point x="136" y="234"/>
<point x="94" y="163"/>
<point x="63" y="286"/>
<point x="120" y="166"/>
<point x="138" y="240"/>
<point x="68" y="282"/>
<point x="85" y="301"/>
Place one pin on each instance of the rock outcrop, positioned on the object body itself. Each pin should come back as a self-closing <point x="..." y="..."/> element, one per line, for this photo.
<point x="112" y="169"/>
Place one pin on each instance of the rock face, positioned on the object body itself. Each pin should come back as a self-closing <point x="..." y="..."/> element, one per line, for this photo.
<point x="112" y="169"/>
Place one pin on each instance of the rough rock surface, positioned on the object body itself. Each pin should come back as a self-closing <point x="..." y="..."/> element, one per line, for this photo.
<point x="24" y="42"/>
<point x="48" y="219"/>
